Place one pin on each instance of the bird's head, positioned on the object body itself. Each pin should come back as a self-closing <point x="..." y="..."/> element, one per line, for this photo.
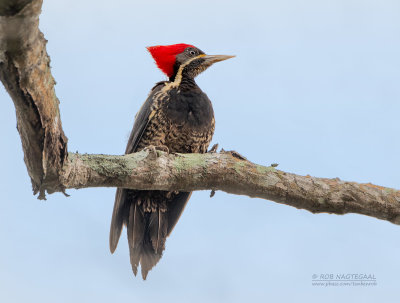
<point x="185" y="57"/>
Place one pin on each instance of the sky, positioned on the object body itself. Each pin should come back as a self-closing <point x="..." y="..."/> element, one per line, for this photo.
<point x="314" y="87"/>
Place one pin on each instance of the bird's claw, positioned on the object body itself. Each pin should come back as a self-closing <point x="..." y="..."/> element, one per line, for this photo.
<point x="162" y="148"/>
<point x="152" y="150"/>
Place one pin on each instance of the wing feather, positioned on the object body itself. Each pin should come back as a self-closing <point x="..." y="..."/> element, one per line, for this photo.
<point x="122" y="202"/>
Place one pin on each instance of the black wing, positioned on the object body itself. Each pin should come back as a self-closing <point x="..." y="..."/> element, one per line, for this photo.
<point x="141" y="120"/>
<point x="147" y="231"/>
<point x="121" y="210"/>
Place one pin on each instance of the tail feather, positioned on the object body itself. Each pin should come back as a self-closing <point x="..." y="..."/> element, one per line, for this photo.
<point x="118" y="217"/>
<point x="154" y="240"/>
<point x="148" y="259"/>
<point x="149" y="217"/>
<point x="158" y="224"/>
<point x="135" y="230"/>
<point x="176" y="208"/>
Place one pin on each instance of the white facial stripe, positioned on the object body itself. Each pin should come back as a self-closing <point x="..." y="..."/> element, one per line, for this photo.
<point x="178" y="77"/>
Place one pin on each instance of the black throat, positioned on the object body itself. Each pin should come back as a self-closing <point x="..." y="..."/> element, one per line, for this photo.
<point x="187" y="81"/>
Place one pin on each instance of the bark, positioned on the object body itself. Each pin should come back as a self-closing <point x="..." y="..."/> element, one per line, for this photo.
<point x="25" y="72"/>
<point x="156" y="170"/>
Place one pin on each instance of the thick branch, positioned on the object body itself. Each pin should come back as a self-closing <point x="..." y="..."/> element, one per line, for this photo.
<point x="221" y="171"/>
<point x="25" y="73"/>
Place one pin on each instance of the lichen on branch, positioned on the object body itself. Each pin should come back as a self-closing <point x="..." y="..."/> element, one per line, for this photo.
<point x="223" y="171"/>
<point x="25" y="73"/>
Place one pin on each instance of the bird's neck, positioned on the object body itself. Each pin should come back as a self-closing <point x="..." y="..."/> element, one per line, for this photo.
<point x="187" y="83"/>
<point x="183" y="80"/>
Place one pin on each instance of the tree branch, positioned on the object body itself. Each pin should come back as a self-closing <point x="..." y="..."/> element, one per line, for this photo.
<point x="155" y="170"/>
<point x="25" y="72"/>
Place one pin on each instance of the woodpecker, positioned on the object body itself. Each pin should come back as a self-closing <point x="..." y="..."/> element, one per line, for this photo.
<point x="177" y="117"/>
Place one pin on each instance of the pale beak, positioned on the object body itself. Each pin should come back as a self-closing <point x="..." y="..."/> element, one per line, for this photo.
<point x="211" y="59"/>
<point x="207" y="60"/>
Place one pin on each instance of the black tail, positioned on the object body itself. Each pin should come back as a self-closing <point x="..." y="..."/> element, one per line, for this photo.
<point x="149" y="217"/>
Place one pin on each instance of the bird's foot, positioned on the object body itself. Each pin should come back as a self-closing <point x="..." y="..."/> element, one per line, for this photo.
<point x="162" y="148"/>
<point x="153" y="150"/>
<point x="165" y="149"/>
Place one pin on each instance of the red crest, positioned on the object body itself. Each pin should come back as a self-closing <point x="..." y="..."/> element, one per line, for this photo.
<point x="165" y="56"/>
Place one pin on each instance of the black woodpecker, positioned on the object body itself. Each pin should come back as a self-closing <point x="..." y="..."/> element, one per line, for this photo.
<point x="178" y="117"/>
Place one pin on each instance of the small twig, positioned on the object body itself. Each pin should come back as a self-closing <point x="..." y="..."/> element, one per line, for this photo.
<point x="214" y="148"/>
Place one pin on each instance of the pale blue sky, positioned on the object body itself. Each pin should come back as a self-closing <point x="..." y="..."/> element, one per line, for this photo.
<point x="315" y="87"/>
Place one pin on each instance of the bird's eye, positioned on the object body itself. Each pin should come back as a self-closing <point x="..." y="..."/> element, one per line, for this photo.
<point x="192" y="53"/>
